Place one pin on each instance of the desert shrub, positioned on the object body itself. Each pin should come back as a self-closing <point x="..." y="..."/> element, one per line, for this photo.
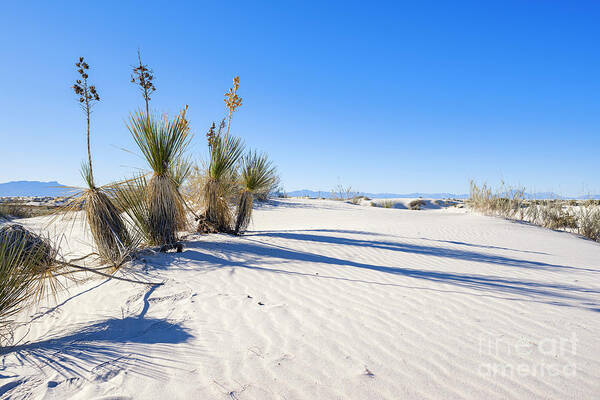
<point x="18" y="209"/>
<point x="356" y="200"/>
<point x="589" y="222"/>
<point x="280" y="192"/>
<point x="416" y="204"/>
<point x="342" y="193"/>
<point x="14" y="210"/>
<point x="553" y="215"/>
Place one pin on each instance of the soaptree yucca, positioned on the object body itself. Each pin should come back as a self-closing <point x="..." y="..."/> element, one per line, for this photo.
<point x="257" y="176"/>
<point x="162" y="142"/>
<point x="27" y="268"/>
<point x="110" y="235"/>
<point x="220" y="184"/>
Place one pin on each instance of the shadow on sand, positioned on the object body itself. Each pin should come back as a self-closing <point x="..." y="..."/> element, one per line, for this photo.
<point x="101" y="350"/>
<point x="252" y="253"/>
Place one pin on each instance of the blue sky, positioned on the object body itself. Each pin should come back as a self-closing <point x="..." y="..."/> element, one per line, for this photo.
<point x="384" y="96"/>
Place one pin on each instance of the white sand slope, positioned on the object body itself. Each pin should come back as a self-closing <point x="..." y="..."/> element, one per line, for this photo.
<point x="326" y="300"/>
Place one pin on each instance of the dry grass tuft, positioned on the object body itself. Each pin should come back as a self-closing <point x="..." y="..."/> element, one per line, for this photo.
<point x="386" y="203"/>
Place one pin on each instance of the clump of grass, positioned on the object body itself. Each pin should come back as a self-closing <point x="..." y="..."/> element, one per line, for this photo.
<point x="110" y="234"/>
<point x="386" y="203"/>
<point x="356" y="200"/>
<point x="568" y="215"/>
<point x="506" y="202"/>
<point x="257" y="176"/>
<point x="192" y="189"/>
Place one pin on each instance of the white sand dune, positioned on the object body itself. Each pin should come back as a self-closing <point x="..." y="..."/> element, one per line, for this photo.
<point x="326" y="300"/>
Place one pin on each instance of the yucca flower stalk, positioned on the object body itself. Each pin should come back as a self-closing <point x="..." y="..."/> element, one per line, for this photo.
<point x="233" y="102"/>
<point x="162" y="143"/>
<point x="257" y="176"/>
<point x="110" y="234"/>
<point x="87" y="96"/>
<point x="143" y="76"/>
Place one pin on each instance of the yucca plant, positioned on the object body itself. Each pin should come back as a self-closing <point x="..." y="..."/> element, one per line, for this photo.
<point x="221" y="184"/>
<point x="162" y="143"/>
<point x="130" y="196"/>
<point x="27" y="268"/>
<point x="156" y="205"/>
<point x="257" y="176"/>
<point x="110" y="235"/>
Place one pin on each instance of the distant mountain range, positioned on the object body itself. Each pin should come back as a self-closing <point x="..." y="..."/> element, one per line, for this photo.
<point x="33" y="188"/>
<point x="55" y="189"/>
<point x="539" y="196"/>
<point x="312" y="193"/>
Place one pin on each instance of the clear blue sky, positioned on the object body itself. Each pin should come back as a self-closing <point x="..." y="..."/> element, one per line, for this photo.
<point x="395" y="97"/>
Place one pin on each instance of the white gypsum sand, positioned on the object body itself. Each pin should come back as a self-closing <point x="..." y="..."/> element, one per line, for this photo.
<point x="328" y="300"/>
